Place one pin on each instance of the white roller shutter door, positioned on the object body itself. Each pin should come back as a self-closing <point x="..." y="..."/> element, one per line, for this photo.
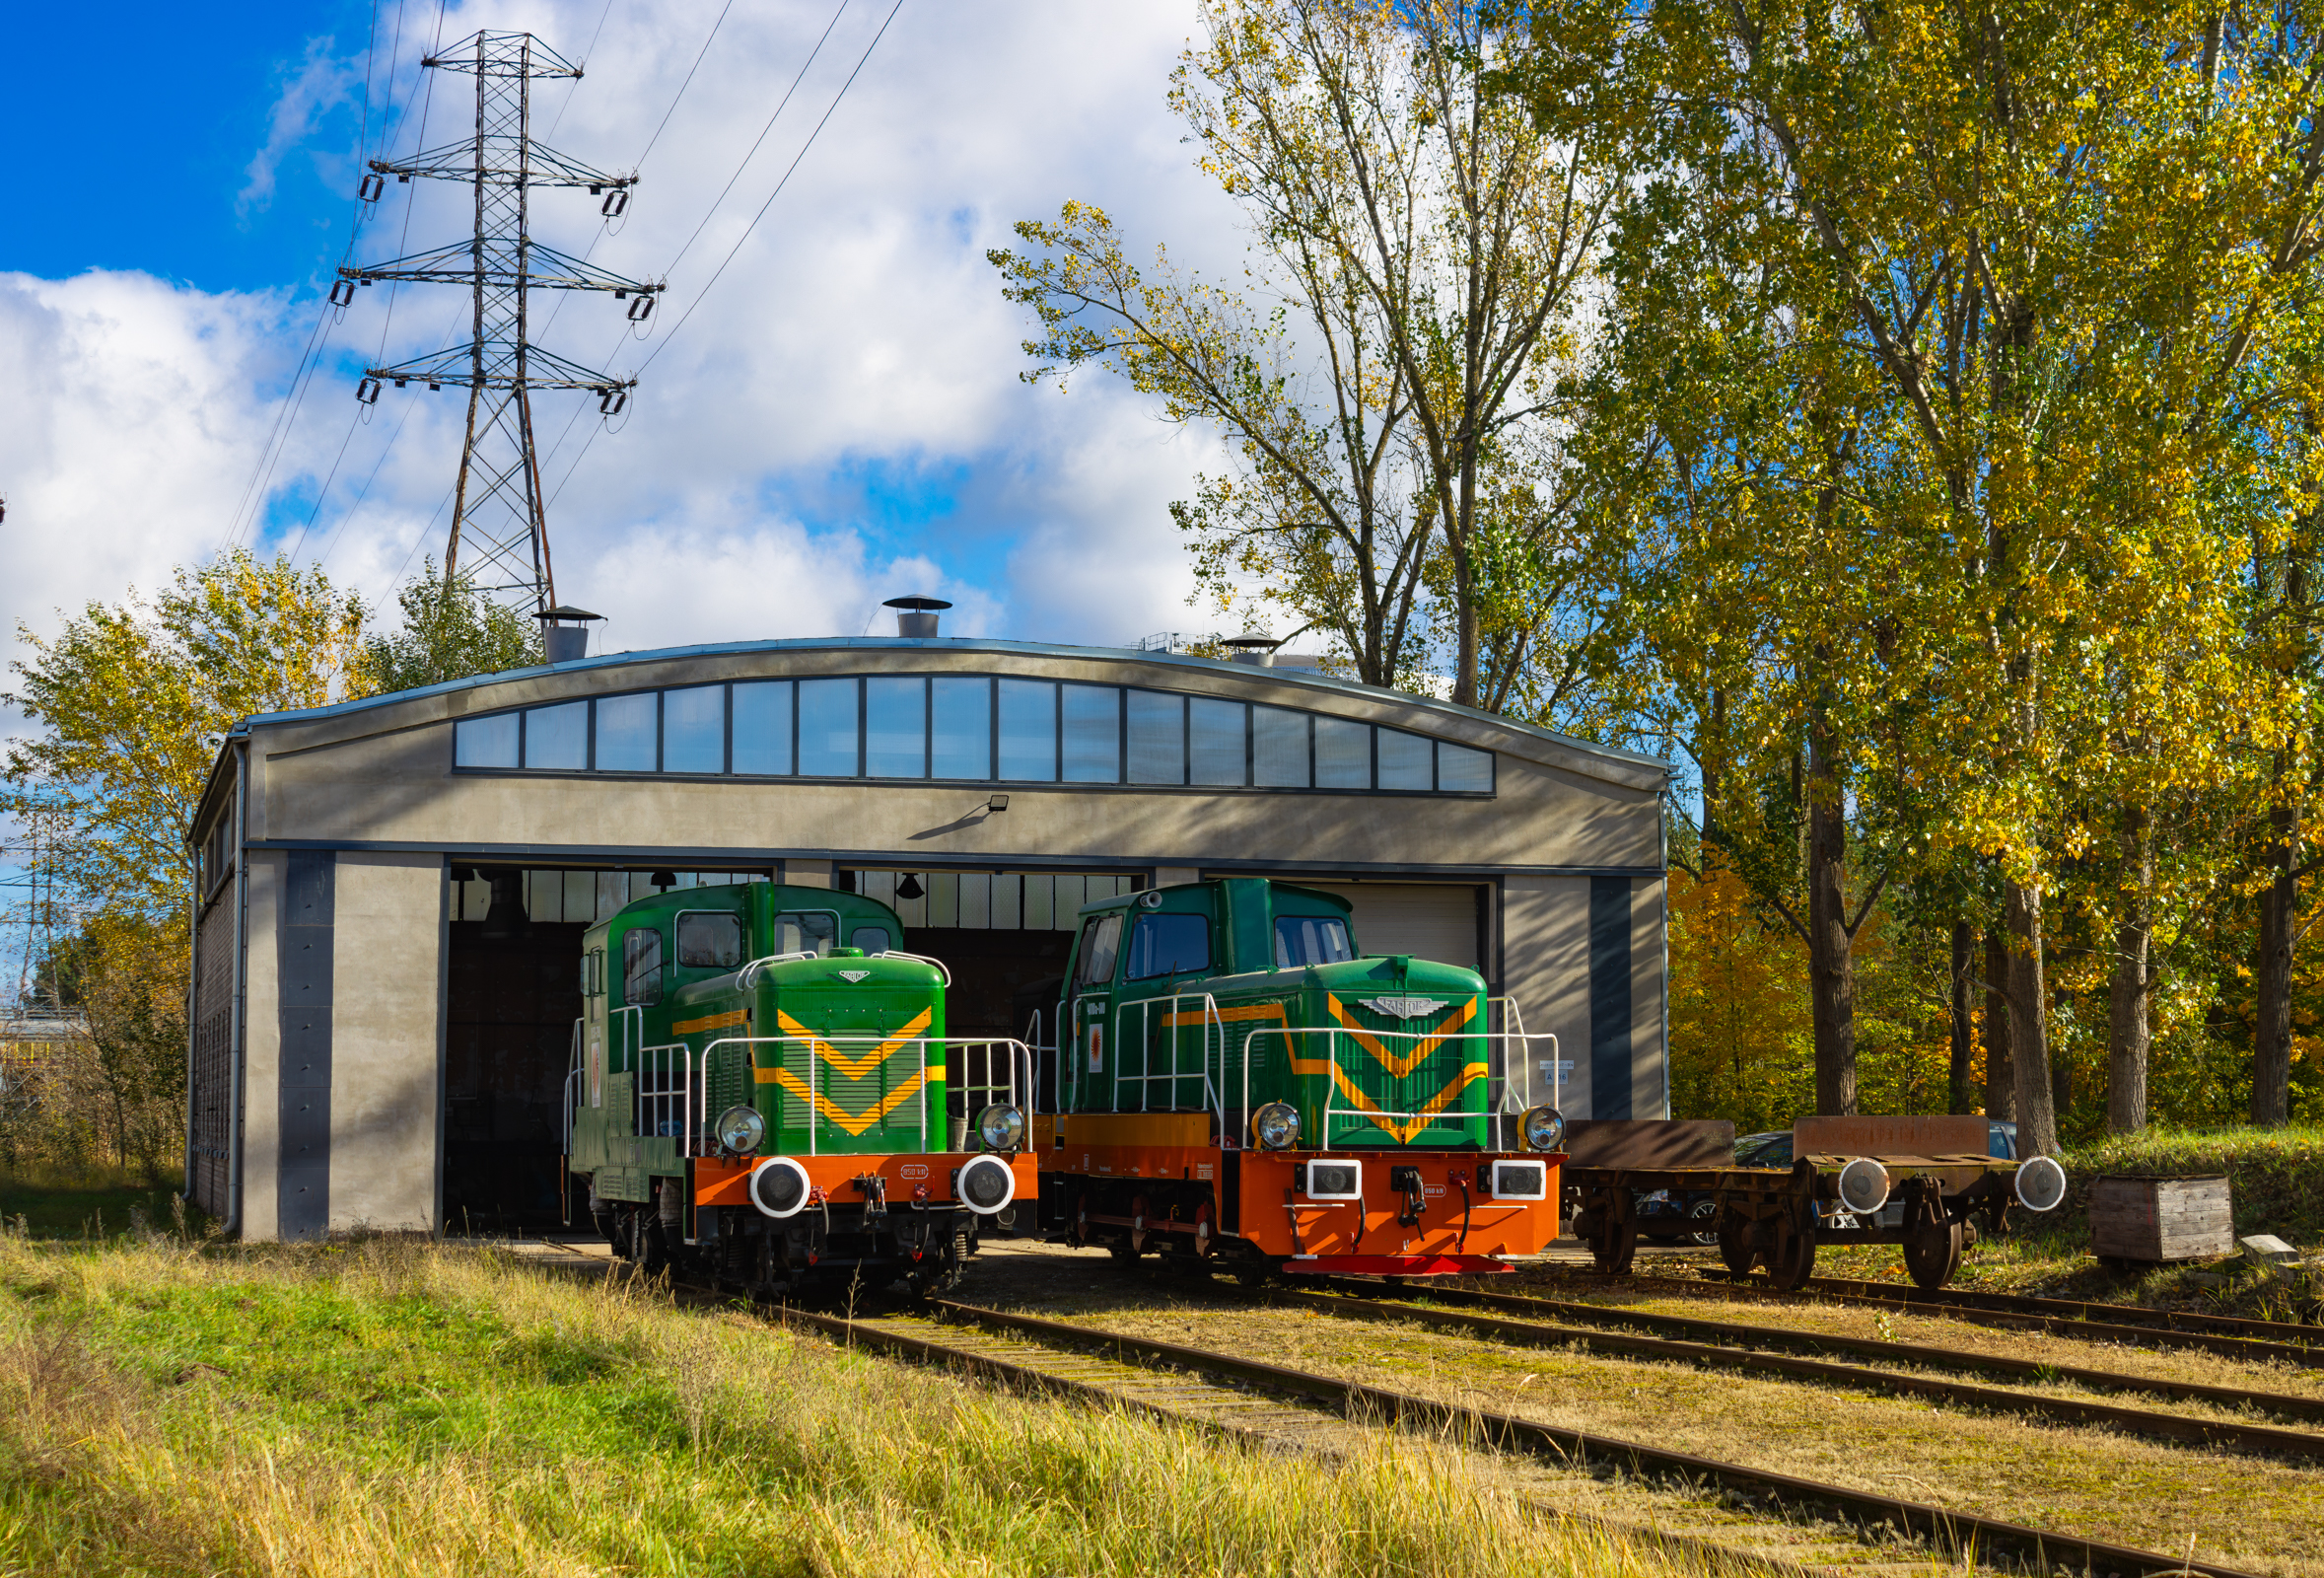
<point x="1428" y="921"/>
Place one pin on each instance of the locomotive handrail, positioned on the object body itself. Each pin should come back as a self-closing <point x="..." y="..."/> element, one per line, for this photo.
<point x="698" y="1109"/>
<point x="1146" y="1076"/>
<point x="942" y="968"/>
<point x="1516" y="1018"/>
<point x="1503" y="1039"/>
<point x="747" y="976"/>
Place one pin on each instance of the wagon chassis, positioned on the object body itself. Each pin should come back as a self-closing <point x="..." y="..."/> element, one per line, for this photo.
<point x="1772" y="1217"/>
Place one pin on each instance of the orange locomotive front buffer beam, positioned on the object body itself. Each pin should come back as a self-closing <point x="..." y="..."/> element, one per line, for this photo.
<point x="909" y="1178"/>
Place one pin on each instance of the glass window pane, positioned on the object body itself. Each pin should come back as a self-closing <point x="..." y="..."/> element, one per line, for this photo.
<point x="827" y="728"/>
<point x="1216" y="744"/>
<point x="612" y="892"/>
<point x="1343" y="754"/>
<point x="876" y="886"/>
<point x="895" y="727"/>
<point x="963" y="712"/>
<point x="1028" y="730"/>
<point x="1158" y="738"/>
<point x="1092" y="734"/>
<point x="545" y="895"/>
<point x="976" y="900"/>
<point x="1168" y="945"/>
<point x="580" y="893"/>
<point x="710" y="941"/>
<point x="641" y="968"/>
<point x="1070" y="899"/>
<point x="485" y="741"/>
<point x="943" y="898"/>
<point x="625" y="733"/>
<point x="1040" y="902"/>
<point x="804" y="931"/>
<point x="1308" y="940"/>
<point x="762" y="726"/>
<point x="1405" y="761"/>
<point x="1461" y="770"/>
<point x="1279" y="749"/>
<point x="557" y="736"/>
<point x="871" y="939"/>
<point x="694" y="729"/>
<point x="1007" y="902"/>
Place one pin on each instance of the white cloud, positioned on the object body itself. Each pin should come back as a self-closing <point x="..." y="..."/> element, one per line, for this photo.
<point x="854" y="365"/>
<point x="321" y="85"/>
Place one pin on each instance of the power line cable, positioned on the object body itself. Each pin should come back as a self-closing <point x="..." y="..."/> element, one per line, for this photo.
<point x="690" y="82"/>
<point x="746" y="229"/>
<point x="559" y="118"/>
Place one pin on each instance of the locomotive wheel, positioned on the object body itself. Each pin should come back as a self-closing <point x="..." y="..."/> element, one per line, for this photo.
<point x="1734" y="1243"/>
<point x="1138" y="1212"/>
<point x="1206" y="1221"/>
<point x="1933" y="1253"/>
<point x="1613" y="1246"/>
<point x="1792" y="1259"/>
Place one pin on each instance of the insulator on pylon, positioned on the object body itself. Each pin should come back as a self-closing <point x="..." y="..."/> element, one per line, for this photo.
<point x="616" y="203"/>
<point x="371" y="187"/>
<point x="641" y="308"/>
<point x="367" y="391"/>
<point x="610" y="401"/>
<point x="342" y="292"/>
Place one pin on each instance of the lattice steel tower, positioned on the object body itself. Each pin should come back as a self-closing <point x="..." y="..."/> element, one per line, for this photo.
<point x="499" y="518"/>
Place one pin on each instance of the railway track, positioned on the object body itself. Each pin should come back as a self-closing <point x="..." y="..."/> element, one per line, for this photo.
<point x="1223" y="1390"/>
<point x="1745" y="1348"/>
<point x="2184" y="1320"/>
<point x="2306" y="1351"/>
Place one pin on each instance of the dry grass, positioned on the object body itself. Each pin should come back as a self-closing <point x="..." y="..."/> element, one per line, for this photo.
<point x="391" y="1409"/>
<point x="2250" y="1512"/>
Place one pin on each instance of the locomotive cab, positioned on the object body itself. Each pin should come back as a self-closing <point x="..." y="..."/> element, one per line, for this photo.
<point x="763" y="1092"/>
<point x="1235" y="1078"/>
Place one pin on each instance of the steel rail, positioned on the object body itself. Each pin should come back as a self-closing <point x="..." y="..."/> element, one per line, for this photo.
<point x="2250" y="1349"/>
<point x="2235" y="1325"/>
<point x="1958" y="1532"/>
<point x="2173" y="1427"/>
<point x="1966" y="1359"/>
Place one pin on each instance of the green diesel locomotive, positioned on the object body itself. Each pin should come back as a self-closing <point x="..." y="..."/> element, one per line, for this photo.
<point x="762" y="1092"/>
<point x="1232" y="1076"/>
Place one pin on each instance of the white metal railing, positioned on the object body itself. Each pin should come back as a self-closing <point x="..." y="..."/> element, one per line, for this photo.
<point x="798" y="1052"/>
<point x="1514" y="1019"/>
<point x="1296" y="1037"/>
<point x="1173" y="1013"/>
<point x="663" y="1086"/>
<point x="573" y="1073"/>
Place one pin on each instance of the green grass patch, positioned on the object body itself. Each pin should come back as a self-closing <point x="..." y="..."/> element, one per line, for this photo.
<point x="85" y="1202"/>
<point x="172" y="1407"/>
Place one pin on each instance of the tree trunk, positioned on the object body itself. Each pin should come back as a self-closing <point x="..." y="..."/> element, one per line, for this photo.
<point x="2128" y="1034"/>
<point x="2030" y="1050"/>
<point x="2271" y="1064"/>
<point x="1956" y="1093"/>
<point x="1830" y="965"/>
<point x="2001" y="1079"/>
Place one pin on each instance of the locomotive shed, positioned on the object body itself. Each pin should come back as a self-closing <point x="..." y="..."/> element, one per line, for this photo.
<point x="392" y="891"/>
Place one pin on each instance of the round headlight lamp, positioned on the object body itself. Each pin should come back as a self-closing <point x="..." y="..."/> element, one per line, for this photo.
<point x="741" y="1130"/>
<point x="1001" y="1126"/>
<point x="1276" y="1126"/>
<point x="1543" y="1127"/>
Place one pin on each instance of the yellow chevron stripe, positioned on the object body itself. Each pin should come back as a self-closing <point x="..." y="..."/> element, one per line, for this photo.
<point x="853" y="1123"/>
<point x="1429" y="1112"/>
<point x="1401" y="1065"/>
<point x="857" y="1067"/>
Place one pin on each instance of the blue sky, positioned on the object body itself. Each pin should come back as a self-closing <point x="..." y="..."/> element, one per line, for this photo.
<point x="840" y="418"/>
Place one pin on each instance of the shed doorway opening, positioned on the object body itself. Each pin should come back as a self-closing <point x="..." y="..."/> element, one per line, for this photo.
<point x="513" y="994"/>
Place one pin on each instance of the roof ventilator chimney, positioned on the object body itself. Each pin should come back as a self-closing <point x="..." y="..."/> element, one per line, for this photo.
<point x="564" y="632"/>
<point x="916" y="615"/>
<point x="1255" y="650"/>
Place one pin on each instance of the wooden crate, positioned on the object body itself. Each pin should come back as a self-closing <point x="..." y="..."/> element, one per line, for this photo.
<point x="2153" y="1219"/>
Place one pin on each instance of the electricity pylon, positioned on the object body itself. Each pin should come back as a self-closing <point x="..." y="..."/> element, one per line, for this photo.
<point x="499" y="517"/>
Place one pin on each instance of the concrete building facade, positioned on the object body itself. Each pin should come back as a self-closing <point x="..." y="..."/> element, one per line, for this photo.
<point x="392" y="891"/>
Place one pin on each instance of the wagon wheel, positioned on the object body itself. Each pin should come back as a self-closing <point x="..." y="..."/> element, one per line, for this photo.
<point x="1933" y="1253"/>
<point x="1138" y="1211"/>
<point x="1792" y="1259"/>
<point x="1614" y="1245"/>
<point x="1206" y="1234"/>
<point x="1734" y="1241"/>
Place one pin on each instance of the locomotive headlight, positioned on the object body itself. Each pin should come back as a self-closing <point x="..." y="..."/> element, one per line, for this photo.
<point x="1001" y="1126"/>
<point x="1543" y="1127"/>
<point x="1277" y="1126"/>
<point x="985" y="1185"/>
<point x="2041" y="1183"/>
<point x="741" y="1130"/>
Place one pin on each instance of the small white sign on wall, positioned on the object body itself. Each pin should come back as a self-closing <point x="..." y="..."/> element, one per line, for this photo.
<point x="1560" y="1070"/>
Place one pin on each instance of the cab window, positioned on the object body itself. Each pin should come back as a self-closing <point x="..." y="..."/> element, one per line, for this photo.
<point x="641" y="969"/>
<point x="1101" y="939"/>
<point x="1310" y="940"/>
<point x="709" y="941"/>
<point x="805" y="931"/>
<point x="1168" y="945"/>
<point x="871" y="939"/>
